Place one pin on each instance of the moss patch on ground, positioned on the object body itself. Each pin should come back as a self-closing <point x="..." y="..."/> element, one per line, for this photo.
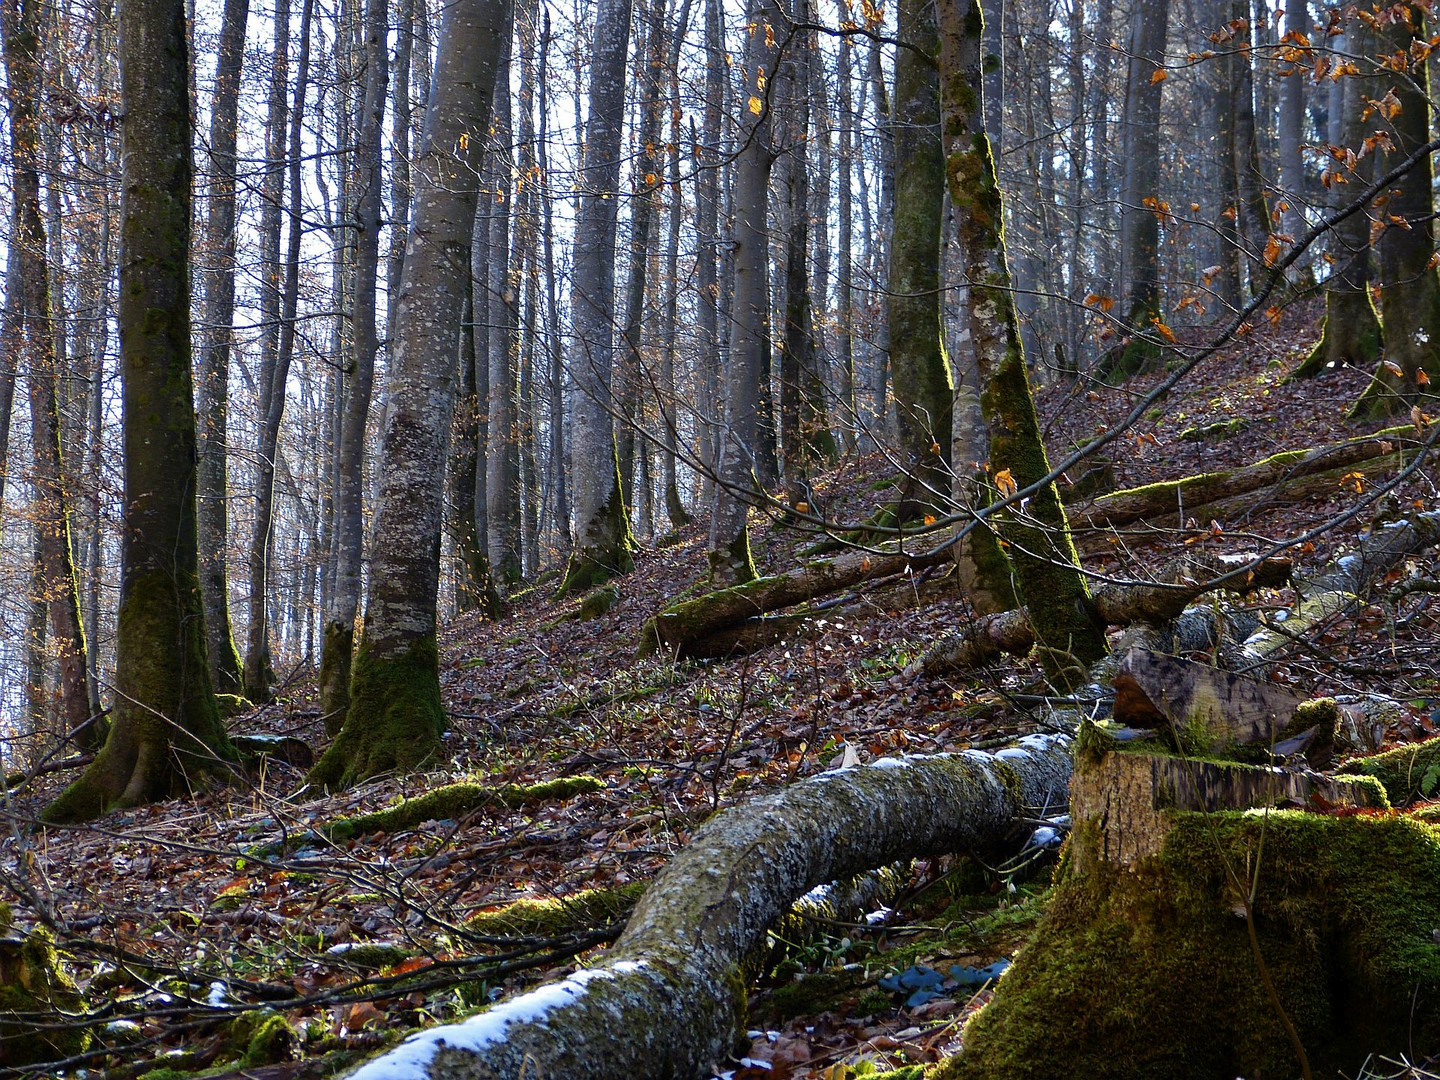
<point x="37" y="996"/>
<point x="1149" y="973"/>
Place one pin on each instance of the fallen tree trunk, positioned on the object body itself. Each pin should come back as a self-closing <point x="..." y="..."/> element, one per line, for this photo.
<point x="1346" y="582"/>
<point x="678" y="627"/>
<point x="674" y="982"/>
<point x="991" y="636"/>
<point x="1190" y="493"/>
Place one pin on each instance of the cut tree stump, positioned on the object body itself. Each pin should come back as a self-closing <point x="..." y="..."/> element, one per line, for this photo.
<point x="1123" y="801"/>
<point x="1210" y="712"/>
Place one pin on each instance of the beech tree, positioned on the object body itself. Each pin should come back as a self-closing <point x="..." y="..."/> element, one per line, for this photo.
<point x="165" y="726"/>
<point x="395" y="719"/>
<point x="603" y="541"/>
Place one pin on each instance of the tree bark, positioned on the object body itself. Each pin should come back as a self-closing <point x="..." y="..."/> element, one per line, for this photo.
<point x="336" y="655"/>
<point x="730" y="559"/>
<point x="1410" y="286"/>
<point x="672" y="983"/>
<point x="259" y="672"/>
<point x="502" y="447"/>
<point x="603" y="542"/>
<point x="395" y="717"/>
<point x="165" y="726"/>
<point x="20" y="25"/>
<point x="1351" y="332"/>
<point x="1041" y="552"/>
<point x="216" y="331"/>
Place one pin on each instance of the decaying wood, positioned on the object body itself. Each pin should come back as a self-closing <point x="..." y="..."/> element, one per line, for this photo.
<point x="673" y="983"/>
<point x="1346" y="581"/>
<point x="1123" y="800"/>
<point x="678" y="627"/>
<point x="991" y="636"/>
<point x="1210" y="712"/>
<point x="1154" y="501"/>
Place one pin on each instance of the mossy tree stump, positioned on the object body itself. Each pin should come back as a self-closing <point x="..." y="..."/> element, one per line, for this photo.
<point x="1197" y="923"/>
<point x="37" y="997"/>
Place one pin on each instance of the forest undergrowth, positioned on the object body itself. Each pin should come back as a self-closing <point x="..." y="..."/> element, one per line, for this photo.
<point x="179" y="921"/>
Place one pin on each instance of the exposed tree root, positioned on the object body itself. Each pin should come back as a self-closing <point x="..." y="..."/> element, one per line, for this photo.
<point x="674" y="982"/>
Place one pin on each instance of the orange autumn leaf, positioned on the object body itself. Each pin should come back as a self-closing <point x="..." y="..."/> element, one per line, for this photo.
<point x="1005" y="483"/>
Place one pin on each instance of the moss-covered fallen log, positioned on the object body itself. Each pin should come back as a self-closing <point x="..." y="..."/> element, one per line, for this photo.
<point x="452" y="801"/>
<point x="1408" y="772"/>
<point x="1345" y="582"/>
<point x="675" y="629"/>
<point x="668" y="999"/>
<point x="1189" y="493"/>
<point x="989" y="637"/>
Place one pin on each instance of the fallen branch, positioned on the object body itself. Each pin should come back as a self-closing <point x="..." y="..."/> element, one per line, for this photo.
<point x="673" y="983"/>
<point x="1191" y="494"/>
<point x="682" y="629"/>
<point x="991" y="636"/>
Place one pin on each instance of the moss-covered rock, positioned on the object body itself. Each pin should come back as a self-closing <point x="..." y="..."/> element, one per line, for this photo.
<point x="597" y="603"/>
<point x="1408" y="772"/>
<point x="1149" y="972"/>
<point x="38" y="1003"/>
<point x="262" y="1038"/>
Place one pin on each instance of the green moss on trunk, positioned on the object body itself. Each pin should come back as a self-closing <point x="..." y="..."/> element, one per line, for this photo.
<point x="1149" y="974"/>
<point x="1350" y="334"/>
<point x="606" y="550"/>
<point x="336" y="653"/>
<point x="395" y="718"/>
<point x="732" y="564"/>
<point x="549" y="918"/>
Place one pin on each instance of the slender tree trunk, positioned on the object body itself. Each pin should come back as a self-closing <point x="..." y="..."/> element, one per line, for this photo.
<point x="502" y="448"/>
<point x="1410" y="287"/>
<point x="730" y="559"/>
<point x="259" y="672"/>
<point x="918" y="365"/>
<point x="213" y="370"/>
<point x="1140" y="223"/>
<point x="1070" y="638"/>
<point x="395" y="717"/>
<point x="668" y="399"/>
<point x="1292" y="123"/>
<point x="20" y="24"/>
<point x="555" y="348"/>
<point x="1351" y="332"/>
<point x="401" y="120"/>
<point x="845" y="296"/>
<point x="336" y="655"/>
<point x="474" y="585"/>
<point x="706" y="153"/>
<point x="1253" y="207"/>
<point x="603" y="542"/>
<point x="166" y="726"/>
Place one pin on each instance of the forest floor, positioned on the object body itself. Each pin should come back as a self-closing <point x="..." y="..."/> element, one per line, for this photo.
<point x="177" y="917"/>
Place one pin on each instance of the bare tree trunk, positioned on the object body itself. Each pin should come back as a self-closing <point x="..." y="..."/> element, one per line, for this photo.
<point x="919" y="370"/>
<point x="165" y="726"/>
<point x="603" y="542"/>
<point x="502" y="447"/>
<point x="1070" y="637"/>
<point x="1351" y="332"/>
<point x="395" y="717"/>
<point x="213" y="369"/>
<point x="1410" y="287"/>
<point x="60" y="594"/>
<point x="730" y="559"/>
<point x="336" y="654"/>
<point x="401" y="120"/>
<point x="707" y="286"/>
<point x="558" y="472"/>
<point x="259" y="673"/>
<point x="1139" y="223"/>
<point x="845" y="296"/>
